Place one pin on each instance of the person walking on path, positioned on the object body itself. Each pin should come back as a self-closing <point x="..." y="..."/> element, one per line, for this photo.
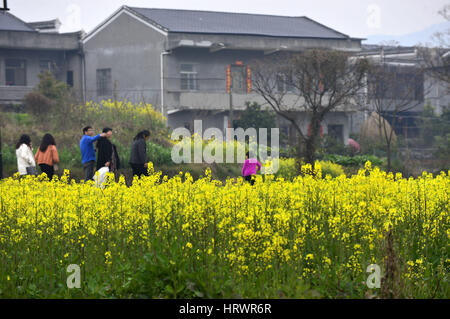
<point x="138" y="156"/>
<point x="88" y="151"/>
<point x="251" y="165"/>
<point x="25" y="159"/>
<point x="107" y="152"/>
<point x="47" y="156"/>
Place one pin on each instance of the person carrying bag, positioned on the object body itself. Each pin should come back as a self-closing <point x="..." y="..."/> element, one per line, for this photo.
<point x="25" y="159"/>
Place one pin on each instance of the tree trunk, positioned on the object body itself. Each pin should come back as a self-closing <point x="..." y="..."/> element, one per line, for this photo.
<point x="300" y="151"/>
<point x="310" y="153"/>
<point x="388" y="157"/>
<point x="310" y="156"/>
<point x="231" y="113"/>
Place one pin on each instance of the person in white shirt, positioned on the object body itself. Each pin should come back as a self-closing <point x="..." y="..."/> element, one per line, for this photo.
<point x="24" y="153"/>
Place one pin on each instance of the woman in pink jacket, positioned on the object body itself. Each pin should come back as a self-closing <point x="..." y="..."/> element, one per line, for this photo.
<point x="251" y="165"/>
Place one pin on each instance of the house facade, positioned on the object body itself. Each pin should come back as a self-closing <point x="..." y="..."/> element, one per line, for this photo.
<point x="193" y="65"/>
<point x="26" y="51"/>
<point x="413" y="88"/>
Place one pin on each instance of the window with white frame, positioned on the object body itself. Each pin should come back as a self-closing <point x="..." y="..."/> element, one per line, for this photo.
<point x="188" y="77"/>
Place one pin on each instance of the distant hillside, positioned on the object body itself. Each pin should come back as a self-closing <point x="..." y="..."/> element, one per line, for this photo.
<point x="424" y="36"/>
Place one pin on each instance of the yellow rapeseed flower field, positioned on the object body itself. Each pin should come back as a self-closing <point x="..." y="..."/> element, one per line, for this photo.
<point x="178" y="237"/>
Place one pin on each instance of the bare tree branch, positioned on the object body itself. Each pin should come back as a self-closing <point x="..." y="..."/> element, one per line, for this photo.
<point x="321" y="82"/>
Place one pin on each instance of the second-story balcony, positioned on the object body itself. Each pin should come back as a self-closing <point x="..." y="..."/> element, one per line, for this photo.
<point x="220" y="101"/>
<point x="13" y="93"/>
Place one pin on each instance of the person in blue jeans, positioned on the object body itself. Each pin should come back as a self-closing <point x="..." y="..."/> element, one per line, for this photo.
<point x="88" y="151"/>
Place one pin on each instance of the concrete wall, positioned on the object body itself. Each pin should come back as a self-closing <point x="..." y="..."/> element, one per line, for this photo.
<point x="132" y="51"/>
<point x="74" y="63"/>
<point x="39" y="41"/>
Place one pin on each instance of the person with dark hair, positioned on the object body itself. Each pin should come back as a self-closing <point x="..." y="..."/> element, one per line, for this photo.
<point x="25" y="159"/>
<point x="107" y="152"/>
<point x="138" y="156"/>
<point x="251" y="165"/>
<point x="47" y="155"/>
<point x="88" y="151"/>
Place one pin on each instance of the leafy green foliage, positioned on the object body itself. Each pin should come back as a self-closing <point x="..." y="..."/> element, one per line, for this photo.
<point x="254" y="117"/>
<point x="357" y="160"/>
<point x="159" y="154"/>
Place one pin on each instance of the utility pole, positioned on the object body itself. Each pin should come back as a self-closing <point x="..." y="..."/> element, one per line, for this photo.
<point x="230" y="119"/>
<point x="5" y="6"/>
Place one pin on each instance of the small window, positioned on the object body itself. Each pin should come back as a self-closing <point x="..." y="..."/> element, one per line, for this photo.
<point x="188" y="77"/>
<point x="15" y="72"/>
<point x="69" y="78"/>
<point x="337" y="132"/>
<point x="284" y="83"/>
<point x="284" y="131"/>
<point x="45" y="65"/>
<point x="104" y="83"/>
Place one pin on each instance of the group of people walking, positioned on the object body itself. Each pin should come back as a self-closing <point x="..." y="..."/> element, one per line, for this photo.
<point x="107" y="156"/>
<point x="47" y="155"/>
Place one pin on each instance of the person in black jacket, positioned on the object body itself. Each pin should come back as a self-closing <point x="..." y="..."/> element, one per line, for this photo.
<point x="107" y="152"/>
<point x="138" y="157"/>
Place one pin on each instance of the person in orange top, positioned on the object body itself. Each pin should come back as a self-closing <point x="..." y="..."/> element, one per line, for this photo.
<point x="47" y="155"/>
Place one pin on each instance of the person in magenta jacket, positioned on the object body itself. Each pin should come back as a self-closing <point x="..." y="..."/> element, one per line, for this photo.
<point x="251" y="165"/>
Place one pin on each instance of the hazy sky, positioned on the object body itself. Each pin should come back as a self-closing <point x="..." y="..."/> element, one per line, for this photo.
<point x="357" y="18"/>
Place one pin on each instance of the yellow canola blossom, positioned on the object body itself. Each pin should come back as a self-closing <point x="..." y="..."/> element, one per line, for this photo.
<point x="311" y="224"/>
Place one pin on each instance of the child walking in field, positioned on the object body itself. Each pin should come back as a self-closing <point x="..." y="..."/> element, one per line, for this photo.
<point x="251" y="165"/>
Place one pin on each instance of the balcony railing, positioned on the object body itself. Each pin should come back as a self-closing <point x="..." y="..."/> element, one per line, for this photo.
<point x="214" y="100"/>
<point x="13" y="94"/>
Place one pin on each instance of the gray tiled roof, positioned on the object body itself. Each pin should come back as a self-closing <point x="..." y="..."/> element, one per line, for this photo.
<point x="11" y="23"/>
<point x="188" y="21"/>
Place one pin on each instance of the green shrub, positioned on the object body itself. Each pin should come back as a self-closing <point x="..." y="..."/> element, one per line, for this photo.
<point x="9" y="155"/>
<point x="69" y="156"/>
<point x="333" y="146"/>
<point x="159" y="154"/>
<point x="332" y="169"/>
<point x="443" y="146"/>
<point x="358" y="160"/>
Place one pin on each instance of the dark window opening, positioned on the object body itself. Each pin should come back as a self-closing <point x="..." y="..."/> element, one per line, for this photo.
<point x="69" y="80"/>
<point x="336" y="132"/>
<point x="404" y="123"/>
<point x="104" y="82"/>
<point x="15" y="72"/>
<point x="395" y="83"/>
